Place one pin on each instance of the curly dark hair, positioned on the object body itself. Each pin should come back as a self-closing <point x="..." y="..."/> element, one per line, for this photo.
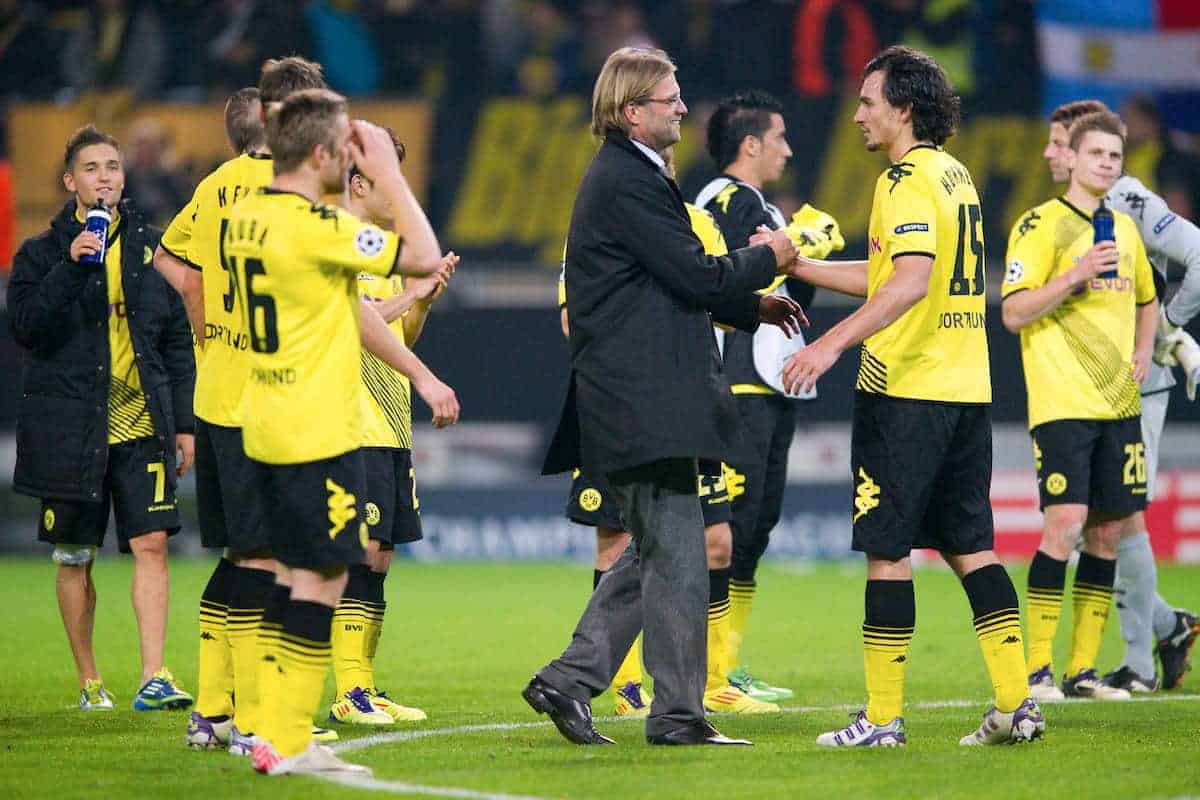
<point x="744" y="114"/>
<point x="911" y="78"/>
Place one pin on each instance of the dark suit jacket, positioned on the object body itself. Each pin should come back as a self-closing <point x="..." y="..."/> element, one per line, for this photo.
<point x="646" y="381"/>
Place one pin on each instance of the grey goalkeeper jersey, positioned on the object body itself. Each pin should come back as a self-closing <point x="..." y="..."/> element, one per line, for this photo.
<point x="1168" y="237"/>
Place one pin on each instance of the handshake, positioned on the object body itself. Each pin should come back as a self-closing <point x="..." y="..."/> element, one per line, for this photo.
<point x="1175" y="347"/>
<point x="811" y="234"/>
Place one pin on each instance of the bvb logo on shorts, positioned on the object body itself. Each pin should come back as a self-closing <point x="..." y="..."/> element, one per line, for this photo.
<point x="1056" y="484"/>
<point x="590" y="499"/>
<point x="373" y="514"/>
<point x="48" y="519"/>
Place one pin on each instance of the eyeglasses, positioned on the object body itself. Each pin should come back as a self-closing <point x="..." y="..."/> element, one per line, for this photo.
<point x="667" y="101"/>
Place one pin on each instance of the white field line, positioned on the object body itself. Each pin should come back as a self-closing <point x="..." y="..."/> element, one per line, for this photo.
<point x="401" y="787"/>
<point x="364" y="742"/>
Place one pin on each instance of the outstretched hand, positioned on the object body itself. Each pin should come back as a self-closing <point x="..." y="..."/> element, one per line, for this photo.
<point x="782" y="312"/>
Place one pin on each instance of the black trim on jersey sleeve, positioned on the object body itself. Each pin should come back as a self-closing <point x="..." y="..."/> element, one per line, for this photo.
<point x="178" y="257"/>
<point x="396" y="263"/>
<point x="914" y="253"/>
<point x="1148" y="302"/>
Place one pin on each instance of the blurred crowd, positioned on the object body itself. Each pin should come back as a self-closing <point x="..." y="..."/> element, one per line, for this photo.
<point x="457" y="52"/>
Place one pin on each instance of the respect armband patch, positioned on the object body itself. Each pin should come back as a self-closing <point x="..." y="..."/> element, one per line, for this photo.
<point x="912" y="227"/>
<point x="1162" y="224"/>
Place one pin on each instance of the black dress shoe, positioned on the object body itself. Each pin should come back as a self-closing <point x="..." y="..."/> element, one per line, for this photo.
<point x="572" y="718"/>
<point x="699" y="732"/>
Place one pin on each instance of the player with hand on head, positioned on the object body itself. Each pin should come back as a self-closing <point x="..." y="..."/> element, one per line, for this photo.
<point x="390" y="501"/>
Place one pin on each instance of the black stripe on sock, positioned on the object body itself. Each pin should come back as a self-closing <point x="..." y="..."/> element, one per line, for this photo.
<point x="990" y="590"/>
<point x="718" y="586"/>
<point x="1095" y="572"/>
<point x="307" y="621"/>
<point x="220" y="583"/>
<point x="890" y="604"/>
<point x="375" y="586"/>
<point x="1047" y="573"/>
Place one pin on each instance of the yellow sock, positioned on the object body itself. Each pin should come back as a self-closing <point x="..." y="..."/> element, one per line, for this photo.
<point x="630" y="670"/>
<point x="1091" y="599"/>
<point x="1004" y="653"/>
<point x="214" y="697"/>
<point x="244" y="628"/>
<point x="269" y="632"/>
<point x="998" y="626"/>
<point x="1043" y="607"/>
<point x="349" y="644"/>
<point x="885" y="652"/>
<point x="718" y="646"/>
<point x="373" y="617"/>
<point x="891" y="613"/>
<point x="741" y="598"/>
<point x="303" y="658"/>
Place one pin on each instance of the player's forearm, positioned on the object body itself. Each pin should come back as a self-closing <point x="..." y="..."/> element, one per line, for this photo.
<point x="900" y="293"/>
<point x="171" y="268"/>
<point x="192" y="292"/>
<point x="420" y="253"/>
<point x="379" y="341"/>
<point x="393" y="308"/>
<point x="1147" y="325"/>
<point x="414" y="321"/>
<point x="847" y="277"/>
<point x="1185" y="305"/>
<point x="1029" y="305"/>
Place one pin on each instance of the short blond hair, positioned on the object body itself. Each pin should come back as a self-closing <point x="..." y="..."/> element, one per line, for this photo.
<point x="1103" y="121"/>
<point x="628" y="75"/>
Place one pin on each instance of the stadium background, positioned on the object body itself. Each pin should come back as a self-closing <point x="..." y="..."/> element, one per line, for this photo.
<point x="491" y="98"/>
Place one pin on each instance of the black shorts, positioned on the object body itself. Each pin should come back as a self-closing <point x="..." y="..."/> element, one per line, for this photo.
<point x="592" y="503"/>
<point x="138" y="485"/>
<point x="314" y="511"/>
<point x="1097" y="463"/>
<point x="228" y="495"/>
<point x="392" y="508"/>
<point x="922" y="472"/>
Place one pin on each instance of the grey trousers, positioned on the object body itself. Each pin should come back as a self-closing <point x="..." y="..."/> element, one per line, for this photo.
<point x="660" y="586"/>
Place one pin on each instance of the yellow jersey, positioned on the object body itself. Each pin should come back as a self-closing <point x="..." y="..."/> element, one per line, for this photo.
<point x="387" y="401"/>
<point x="706" y="230"/>
<point x="926" y="204"/>
<point x="195" y="236"/>
<point x="128" y="416"/>
<point x="294" y="264"/>
<point x="1077" y="359"/>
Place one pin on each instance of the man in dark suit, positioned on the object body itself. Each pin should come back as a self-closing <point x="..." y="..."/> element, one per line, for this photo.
<point x="647" y="399"/>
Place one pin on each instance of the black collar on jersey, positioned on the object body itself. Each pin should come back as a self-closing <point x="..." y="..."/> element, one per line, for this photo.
<point x="918" y="146"/>
<point x="1075" y="208"/>
<point x="263" y="156"/>
<point x="269" y="190"/>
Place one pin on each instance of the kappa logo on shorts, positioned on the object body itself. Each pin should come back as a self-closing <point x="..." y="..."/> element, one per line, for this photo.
<point x="369" y="242"/>
<point x="1056" y="483"/>
<point x="866" y="495"/>
<point x="373" y="514"/>
<point x="735" y="482"/>
<point x="590" y="499"/>
<point x="341" y="508"/>
<point x="48" y="519"/>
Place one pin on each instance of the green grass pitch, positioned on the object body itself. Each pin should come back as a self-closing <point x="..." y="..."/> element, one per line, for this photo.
<point x="461" y="640"/>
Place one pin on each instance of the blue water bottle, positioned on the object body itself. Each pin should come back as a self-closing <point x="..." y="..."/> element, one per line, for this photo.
<point x="1102" y="229"/>
<point x="98" y="220"/>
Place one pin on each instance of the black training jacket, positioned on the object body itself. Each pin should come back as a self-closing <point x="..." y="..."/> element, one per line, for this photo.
<point x="58" y="310"/>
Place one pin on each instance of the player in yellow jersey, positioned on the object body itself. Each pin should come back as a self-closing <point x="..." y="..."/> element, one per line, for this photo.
<point x="1087" y="314"/>
<point x="921" y="452"/>
<point x="294" y="262"/>
<point x="390" y="500"/>
<point x="592" y="503"/>
<point x="242" y="589"/>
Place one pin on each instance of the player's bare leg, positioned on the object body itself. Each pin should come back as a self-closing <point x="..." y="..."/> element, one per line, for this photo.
<point x="149" y="592"/>
<point x="77" y="605"/>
